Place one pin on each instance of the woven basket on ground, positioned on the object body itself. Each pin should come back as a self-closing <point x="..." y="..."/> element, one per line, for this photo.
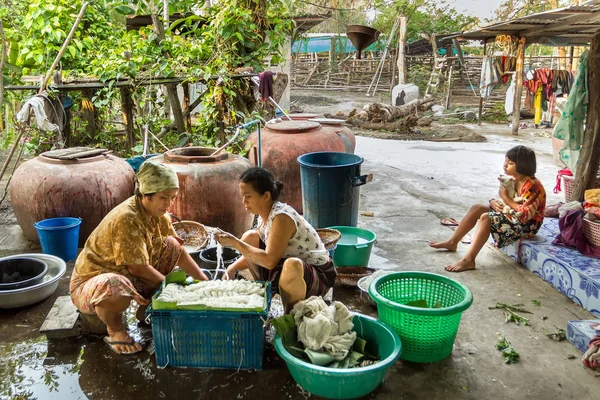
<point x="329" y="237"/>
<point x="194" y="234"/>
<point x="591" y="230"/>
<point x="349" y="276"/>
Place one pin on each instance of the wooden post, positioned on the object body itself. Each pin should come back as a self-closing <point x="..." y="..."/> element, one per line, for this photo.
<point x="589" y="157"/>
<point x="449" y="87"/>
<point x="186" y="105"/>
<point x="127" y="110"/>
<point x="480" y="96"/>
<point x="518" y="86"/>
<point x="570" y="65"/>
<point x="402" y="50"/>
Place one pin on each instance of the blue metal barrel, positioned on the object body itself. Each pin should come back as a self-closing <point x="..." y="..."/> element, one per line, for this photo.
<point x="330" y="188"/>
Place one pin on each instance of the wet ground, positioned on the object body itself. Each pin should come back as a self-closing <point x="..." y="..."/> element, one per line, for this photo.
<point x="415" y="184"/>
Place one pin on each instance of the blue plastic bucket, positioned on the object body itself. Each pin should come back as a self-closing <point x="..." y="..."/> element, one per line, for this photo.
<point x="59" y="236"/>
<point x="330" y="188"/>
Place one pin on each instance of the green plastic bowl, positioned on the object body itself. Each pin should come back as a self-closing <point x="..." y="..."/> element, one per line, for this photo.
<point x="354" y="247"/>
<point x="348" y="383"/>
<point x="427" y="334"/>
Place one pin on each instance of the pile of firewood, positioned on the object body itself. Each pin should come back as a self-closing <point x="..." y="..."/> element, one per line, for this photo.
<point x="380" y="116"/>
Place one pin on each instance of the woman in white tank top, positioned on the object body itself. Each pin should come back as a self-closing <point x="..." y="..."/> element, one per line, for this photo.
<point x="285" y="249"/>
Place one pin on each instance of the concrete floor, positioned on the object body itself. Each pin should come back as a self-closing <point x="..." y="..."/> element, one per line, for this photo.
<point x="415" y="184"/>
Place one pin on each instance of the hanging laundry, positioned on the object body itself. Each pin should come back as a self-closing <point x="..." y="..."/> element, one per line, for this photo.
<point x="489" y="77"/>
<point x="570" y="127"/>
<point x="510" y="96"/>
<point x="537" y="105"/>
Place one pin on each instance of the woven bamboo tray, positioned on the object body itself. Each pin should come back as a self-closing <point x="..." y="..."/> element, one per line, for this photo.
<point x="591" y="231"/>
<point x="329" y="237"/>
<point x="194" y="234"/>
<point x="349" y="276"/>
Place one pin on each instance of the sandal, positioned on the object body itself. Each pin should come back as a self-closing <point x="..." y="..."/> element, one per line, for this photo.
<point x="112" y="343"/>
<point x="466" y="239"/>
<point x="449" y="221"/>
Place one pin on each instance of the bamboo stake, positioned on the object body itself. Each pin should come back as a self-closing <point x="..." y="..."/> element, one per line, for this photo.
<point x="64" y="46"/>
<point x="2" y="60"/>
<point x="47" y="77"/>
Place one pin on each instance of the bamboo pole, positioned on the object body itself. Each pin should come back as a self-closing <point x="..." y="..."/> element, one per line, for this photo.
<point x="44" y="82"/>
<point x="518" y="86"/>
<point x="402" y="50"/>
<point x="64" y="46"/>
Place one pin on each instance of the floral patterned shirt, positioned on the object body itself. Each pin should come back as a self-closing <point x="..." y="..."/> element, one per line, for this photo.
<point x="531" y="210"/>
<point x="306" y="243"/>
<point x="128" y="235"/>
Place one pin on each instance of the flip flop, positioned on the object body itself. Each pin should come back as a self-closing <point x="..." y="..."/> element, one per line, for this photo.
<point x="466" y="239"/>
<point x="116" y="342"/>
<point x="449" y="221"/>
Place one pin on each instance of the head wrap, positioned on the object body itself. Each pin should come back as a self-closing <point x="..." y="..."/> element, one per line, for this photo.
<point x="154" y="177"/>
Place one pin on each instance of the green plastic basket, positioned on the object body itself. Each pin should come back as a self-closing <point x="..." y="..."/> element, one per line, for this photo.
<point x="427" y="334"/>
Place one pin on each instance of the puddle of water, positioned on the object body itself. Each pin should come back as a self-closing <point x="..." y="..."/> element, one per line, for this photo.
<point x="28" y="372"/>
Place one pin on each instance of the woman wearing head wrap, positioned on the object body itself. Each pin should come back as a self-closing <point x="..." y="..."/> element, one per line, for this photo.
<point x="128" y="255"/>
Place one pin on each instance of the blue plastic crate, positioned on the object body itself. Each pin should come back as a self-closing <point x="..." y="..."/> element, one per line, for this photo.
<point x="210" y="339"/>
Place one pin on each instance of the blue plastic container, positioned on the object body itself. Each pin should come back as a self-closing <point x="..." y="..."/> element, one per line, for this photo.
<point x="330" y="188"/>
<point x="209" y="339"/>
<point x="59" y="236"/>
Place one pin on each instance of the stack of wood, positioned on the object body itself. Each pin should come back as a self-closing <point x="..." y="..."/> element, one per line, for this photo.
<point x="380" y="116"/>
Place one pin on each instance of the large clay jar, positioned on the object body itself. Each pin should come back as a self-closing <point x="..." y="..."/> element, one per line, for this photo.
<point x="337" y="126"/>
<point x="88" y="188"/>
<point x="282" y="144"/>
<point x="209" y="188"/>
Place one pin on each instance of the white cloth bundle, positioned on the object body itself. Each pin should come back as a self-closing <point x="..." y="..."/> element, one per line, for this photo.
<point x="324" y="328"/>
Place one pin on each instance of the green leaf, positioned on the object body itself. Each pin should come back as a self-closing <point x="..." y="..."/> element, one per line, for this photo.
<point x="72" y="51"/>
<point x="422" y="303"/>
<point x="124" y="10"/>
<point x="285" y="327"/>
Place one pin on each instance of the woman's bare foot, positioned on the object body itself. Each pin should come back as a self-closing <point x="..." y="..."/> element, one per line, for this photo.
<point x="448" y="245"/>
<point x="122" y="343"/>
<point x="461" y="265"/>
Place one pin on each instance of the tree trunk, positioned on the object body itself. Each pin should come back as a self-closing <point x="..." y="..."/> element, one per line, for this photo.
<point x="378" y="112"/>
<point x="127" y="111"/>
<point x="589" y="158"/>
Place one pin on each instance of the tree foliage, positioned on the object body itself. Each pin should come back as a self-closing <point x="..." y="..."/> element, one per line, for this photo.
<point x="215" y="40"/>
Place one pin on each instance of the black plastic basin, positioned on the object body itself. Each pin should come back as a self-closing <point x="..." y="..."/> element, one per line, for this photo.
<point x="208" y="257"/>
<point x="17" y="273"/>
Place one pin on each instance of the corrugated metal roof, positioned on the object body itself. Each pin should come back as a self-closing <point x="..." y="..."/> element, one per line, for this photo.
<point x="575" y="25"/>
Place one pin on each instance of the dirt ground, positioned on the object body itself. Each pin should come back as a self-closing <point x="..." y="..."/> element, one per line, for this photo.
<point x="415" y="184"/>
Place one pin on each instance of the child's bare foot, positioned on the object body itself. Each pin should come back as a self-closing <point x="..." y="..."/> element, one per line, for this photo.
<point x="448" y="245"/>
<point x="461" y="265"/>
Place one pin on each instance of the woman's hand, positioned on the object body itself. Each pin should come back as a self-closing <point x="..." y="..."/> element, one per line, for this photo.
<point x="230" y="274"/>
<point x="226" y="239"/>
